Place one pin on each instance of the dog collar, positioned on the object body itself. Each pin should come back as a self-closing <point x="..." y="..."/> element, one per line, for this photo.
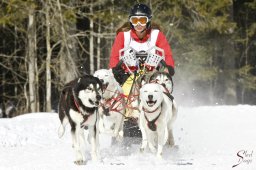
<point x="147" y="111"/>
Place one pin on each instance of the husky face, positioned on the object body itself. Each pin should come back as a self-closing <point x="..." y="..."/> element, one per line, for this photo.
<point x="106" y="77"/>
<point x="89" y="91"/>
<point x="164" y="79"/>
<point x="90" y="96"/>
<point x="109" y="83"/>
<point x="151" y="96"/>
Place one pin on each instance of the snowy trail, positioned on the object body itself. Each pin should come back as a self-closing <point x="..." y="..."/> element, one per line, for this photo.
<point x="206" y="138"/>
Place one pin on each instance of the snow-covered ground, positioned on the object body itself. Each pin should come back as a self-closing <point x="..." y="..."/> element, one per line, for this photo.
<point x="206" y="138"/>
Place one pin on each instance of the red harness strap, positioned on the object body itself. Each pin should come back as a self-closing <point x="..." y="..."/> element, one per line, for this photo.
<point x="147" y="111"/>
<point x="112" y="101"/>
<point x="85" y="117"/>
<point x="77" y="105"/>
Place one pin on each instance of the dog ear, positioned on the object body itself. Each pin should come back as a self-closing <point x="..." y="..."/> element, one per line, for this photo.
<point x="151" y="78"/>
<point x="141" y="89"/>
<point x="143" y="82"/>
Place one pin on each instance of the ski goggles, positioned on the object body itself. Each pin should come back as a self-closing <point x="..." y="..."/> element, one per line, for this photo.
<point x="135" y="20"/>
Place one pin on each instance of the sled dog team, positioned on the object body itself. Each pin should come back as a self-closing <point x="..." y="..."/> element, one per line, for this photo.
<point x="95" y="103"/>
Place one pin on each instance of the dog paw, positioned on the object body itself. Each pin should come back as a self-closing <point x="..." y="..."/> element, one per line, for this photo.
<point x="171" y="143"/>
<point x="95" y="157"/>
<point x="119" y="138"/>
<point x="152" y="149"/>
<point x="80" y="162"/>
<point x="159" y="156"/>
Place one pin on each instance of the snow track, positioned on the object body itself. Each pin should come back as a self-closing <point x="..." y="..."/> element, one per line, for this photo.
<point x="206" y="138"/>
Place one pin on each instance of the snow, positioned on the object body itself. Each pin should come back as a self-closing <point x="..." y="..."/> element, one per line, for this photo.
<point x="207" y="137"/>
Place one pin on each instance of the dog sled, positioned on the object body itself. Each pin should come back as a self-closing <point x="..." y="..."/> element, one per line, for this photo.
<point x="137" y="67"/>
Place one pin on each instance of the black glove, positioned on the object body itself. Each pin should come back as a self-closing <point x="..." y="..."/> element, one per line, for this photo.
<point x="170" y="68"/>
<point x="119" y="73"/>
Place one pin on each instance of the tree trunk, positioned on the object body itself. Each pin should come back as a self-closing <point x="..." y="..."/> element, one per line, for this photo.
<point x="68" y="69"/>
<point x="230" y="96"/>
<point x="98" y="47"/>
<point x="91" y="42"/>
<point x="229" y="57"/>
<point x="31" y="59"/>
<point x="48" y="61"/>
<point x="245" y="53"/>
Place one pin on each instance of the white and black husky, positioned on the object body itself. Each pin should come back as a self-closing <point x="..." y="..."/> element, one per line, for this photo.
<point x="157" y="115"/>
<point x="112" y="110"/>
<point x="78" y="105"/>
<point x="164" y="79"/>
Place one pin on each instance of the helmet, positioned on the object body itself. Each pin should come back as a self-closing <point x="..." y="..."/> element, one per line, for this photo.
<point x="141" y="10"/>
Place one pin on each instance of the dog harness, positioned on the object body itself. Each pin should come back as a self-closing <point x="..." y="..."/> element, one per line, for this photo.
<point x="113" y="103"/>
<point x="169" y="95"/>
<point x="151" y="124"/>
<point x="91" y="111"/>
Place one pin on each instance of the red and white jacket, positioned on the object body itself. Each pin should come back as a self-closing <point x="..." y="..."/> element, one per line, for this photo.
<point x="153" y="38"/>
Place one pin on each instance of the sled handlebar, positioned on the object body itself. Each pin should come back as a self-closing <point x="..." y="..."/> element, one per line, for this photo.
<point x="133" y="59"/>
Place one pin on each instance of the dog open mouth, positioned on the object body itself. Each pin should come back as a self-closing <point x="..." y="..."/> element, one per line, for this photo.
<point x="151" y="103"/>
<point x="96" y="103"/>
<point x="105" y="86"/>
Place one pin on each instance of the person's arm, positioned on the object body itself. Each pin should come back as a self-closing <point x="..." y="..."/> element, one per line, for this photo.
<point x="118" y="45"/>
<point x="114" y="63"/>
<point x="163" y="44"/>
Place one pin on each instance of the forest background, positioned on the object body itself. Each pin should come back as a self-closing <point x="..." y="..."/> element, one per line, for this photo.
<point x="46" y="43"/>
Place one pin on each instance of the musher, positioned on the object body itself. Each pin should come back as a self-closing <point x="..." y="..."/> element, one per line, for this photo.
<point x="140" y="34"/>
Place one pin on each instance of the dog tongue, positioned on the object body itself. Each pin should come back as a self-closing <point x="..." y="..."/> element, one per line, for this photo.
<point x="150" y="103"/>
<point x="104" y="86"/>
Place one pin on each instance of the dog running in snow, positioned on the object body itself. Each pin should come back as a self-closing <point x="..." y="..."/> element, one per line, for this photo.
<point x="112" y="111"/>
<point x="78" y="106"/>
<point x="157" y="115"/>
